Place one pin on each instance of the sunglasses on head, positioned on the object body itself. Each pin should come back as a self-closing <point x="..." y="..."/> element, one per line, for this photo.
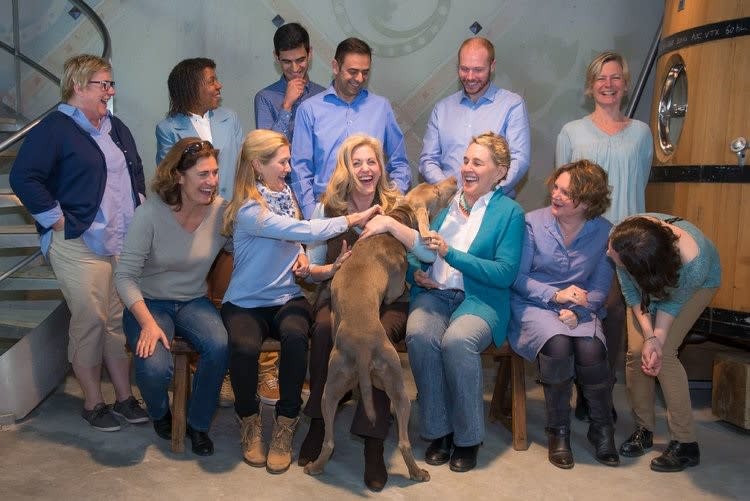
<point x="196" y="147"/>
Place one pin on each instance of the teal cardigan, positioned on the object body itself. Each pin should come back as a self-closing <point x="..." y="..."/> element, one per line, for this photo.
<point x="490" y="265"/>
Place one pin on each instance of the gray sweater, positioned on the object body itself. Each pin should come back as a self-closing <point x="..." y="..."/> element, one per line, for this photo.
<point x="161" y="260"/>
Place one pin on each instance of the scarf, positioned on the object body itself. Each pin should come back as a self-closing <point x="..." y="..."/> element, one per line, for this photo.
<point x="281" y="203"/>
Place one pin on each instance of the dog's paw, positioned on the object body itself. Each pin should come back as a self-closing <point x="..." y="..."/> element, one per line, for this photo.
<point x="421" y="476"/>
<point x="311" y="469"/>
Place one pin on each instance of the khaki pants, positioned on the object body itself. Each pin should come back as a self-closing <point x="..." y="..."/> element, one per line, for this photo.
<point x="87" y="284"/>
<point x="672" y="377"/>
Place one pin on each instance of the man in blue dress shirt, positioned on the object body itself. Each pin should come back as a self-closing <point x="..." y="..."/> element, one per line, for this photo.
<point x="479" y="107"/>
<point x="276" y="104"/>
<point x="343" y="109"/>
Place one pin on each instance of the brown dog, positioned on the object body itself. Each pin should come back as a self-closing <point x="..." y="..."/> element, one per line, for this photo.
<point x="362" y="353"/>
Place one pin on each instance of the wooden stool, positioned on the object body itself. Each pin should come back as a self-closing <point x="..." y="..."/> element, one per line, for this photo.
<point x="182" y="351"/>
<point x="730" y="396"/>
<point x="510" y="374"/>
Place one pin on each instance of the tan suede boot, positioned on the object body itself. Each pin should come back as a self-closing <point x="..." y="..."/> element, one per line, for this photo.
<point x="280" y="450"/>
<point x="252" y="442"/>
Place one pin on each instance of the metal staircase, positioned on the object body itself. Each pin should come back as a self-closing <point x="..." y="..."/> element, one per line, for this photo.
<point x="33" y="315"/>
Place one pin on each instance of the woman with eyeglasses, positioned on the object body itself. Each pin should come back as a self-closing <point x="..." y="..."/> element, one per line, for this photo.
<point x="263" y="298"/>
<point x="558" y="303"/>
<point x="79" y="174"/>
<point x="161" y="277"/>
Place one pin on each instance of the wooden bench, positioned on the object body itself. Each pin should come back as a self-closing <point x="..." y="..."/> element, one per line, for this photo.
<point x="508" y="404"/>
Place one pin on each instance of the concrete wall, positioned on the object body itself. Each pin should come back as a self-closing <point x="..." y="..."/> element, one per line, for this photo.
<point x="543" y="47"/>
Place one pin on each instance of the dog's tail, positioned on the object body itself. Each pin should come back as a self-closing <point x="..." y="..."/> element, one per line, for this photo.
<point x="365" y="385"/>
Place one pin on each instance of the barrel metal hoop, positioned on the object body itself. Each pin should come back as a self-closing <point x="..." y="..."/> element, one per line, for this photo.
<point x="706" y="33"/>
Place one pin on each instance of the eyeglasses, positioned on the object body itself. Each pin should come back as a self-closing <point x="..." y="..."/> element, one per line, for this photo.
<point x="104" y="84"/>
<point x="196" y="147"/>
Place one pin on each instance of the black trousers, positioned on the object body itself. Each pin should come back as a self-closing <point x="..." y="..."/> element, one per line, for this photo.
<point x="247" y="328"/>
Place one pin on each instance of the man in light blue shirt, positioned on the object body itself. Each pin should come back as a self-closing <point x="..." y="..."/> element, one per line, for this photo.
<point x="276" y="104"/>
<point x="479" y="107"/>
<point x="343" y="109"/>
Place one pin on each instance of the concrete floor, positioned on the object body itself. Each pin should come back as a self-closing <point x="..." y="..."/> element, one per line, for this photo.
<point x="54" y="454"/>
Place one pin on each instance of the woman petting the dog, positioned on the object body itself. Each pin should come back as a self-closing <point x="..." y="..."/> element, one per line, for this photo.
<point x="358" y="182"/>
<point x="161" y="277"/>
<point x="669" y="272"/>
<point x="263" y="298"/>
<point x="460" y="304"/>
<point x="558" y="304"/>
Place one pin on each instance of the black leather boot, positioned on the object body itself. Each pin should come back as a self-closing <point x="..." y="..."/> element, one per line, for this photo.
<point x="597" y="390"/>
<point x="376" y="475"/>
<point x="313" y="443"/>
<point x="558" y="446"/>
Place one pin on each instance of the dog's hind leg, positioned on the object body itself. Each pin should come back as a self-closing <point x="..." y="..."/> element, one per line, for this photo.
<point x="341" y="379"/>
<point x="393" y="382"/>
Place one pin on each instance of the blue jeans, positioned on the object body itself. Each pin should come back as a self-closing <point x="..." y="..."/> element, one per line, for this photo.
<point x="197" y="321"/>
<point x="445" y="358"/>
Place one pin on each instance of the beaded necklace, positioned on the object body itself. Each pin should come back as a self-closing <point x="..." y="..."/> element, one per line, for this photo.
<point x="463" y="205"/>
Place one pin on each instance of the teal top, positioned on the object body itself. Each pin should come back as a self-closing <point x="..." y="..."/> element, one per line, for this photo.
<point x="490" y="265"/>
<point x="702" y="272"/>
<point x="625" y="156"/>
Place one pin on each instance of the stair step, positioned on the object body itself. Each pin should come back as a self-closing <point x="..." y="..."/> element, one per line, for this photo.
<point x="23" y="235"/>
<point x="9" y="199"/>
<point x="25" y="314"/>
<point x="33" y="278"/>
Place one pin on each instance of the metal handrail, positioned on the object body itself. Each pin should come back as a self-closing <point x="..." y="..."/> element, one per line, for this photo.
<point x="106" y="53"/>
<point x="648" y="64"/>
<point x="28" y="259"/>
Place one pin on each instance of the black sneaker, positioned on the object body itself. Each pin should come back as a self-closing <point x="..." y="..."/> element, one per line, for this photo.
<point x="130" y="410"/>
<point x="101" y="418"/>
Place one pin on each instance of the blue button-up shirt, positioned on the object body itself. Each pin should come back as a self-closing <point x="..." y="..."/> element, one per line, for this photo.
<point x="106" y="234"/>
<point x="269" y="112"/>
<point x="456" y="119"/>
<point x="323" y="122"/>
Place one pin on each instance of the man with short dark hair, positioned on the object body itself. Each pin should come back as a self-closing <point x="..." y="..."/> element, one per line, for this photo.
<point x="478" y="107"/>
<point x="194" y="111"/>
<point x="276" y="104"/>
<point x="344" y="108"/>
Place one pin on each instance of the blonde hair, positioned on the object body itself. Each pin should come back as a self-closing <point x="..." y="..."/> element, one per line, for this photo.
<point x="498" y="147"/>
<point x="343" y="181"/>
<point x="260" y="145"/>
<point x="78" y="70"/>
<point x="595" y="68"/>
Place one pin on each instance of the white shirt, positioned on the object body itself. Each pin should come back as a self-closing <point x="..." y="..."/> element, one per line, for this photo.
<point x="459" y="232"/>
<point x="202" y="126"/>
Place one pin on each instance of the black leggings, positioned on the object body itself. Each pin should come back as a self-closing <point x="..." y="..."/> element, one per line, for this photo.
<point x="586" y="351"/>
<point x="247" y="328"/>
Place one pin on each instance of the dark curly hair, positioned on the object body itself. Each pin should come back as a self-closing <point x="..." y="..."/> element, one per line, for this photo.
<point x="183" y="155"/>
<point x="648" y="251"/>
<point x="588" y="184"/>
<point x="184" y="84"/>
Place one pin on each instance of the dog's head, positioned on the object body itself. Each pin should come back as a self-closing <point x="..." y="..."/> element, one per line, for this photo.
<point x="426" y="200"/>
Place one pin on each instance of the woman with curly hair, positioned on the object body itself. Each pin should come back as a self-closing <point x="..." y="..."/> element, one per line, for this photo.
<point x="358" y="183"/>
<point x="669" y="271"/>
<point x="558" y="304"/>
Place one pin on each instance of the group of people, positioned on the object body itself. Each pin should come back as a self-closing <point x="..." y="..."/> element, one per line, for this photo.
<point x="544" y="279"/>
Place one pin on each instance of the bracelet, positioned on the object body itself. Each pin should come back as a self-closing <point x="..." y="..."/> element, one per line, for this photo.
<point x="649" y="339"/>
